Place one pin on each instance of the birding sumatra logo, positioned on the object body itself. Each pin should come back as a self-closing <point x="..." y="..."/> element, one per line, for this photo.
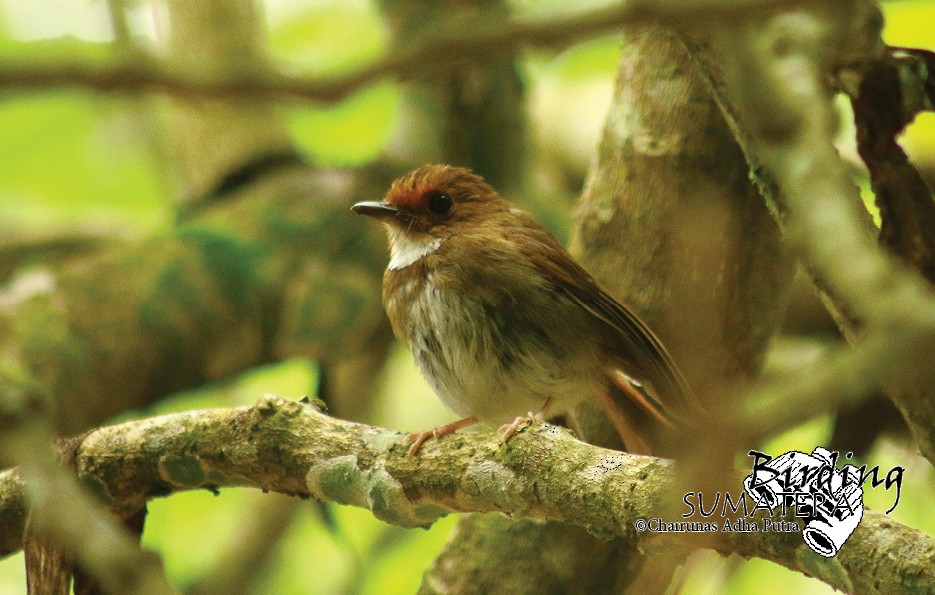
<point x="800" y="493"/>
<point x="829" y="500"/>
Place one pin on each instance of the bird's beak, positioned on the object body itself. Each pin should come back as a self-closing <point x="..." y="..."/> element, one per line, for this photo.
<point x="376" y="209"/>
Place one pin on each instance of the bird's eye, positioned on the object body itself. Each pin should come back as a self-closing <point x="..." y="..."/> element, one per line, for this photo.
<point x="440" y="203"/>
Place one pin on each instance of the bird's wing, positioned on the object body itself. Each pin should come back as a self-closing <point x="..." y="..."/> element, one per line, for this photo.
<point x="669" y="397"/>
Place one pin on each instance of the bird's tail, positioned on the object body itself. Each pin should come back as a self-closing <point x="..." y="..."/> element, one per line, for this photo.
<point x="638" y="414"/>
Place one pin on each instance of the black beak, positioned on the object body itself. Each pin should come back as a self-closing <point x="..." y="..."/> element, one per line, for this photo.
<point x="376" y="209"/>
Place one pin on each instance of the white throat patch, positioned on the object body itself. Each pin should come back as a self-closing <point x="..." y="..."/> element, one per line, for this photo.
<point x="407" y="250"/>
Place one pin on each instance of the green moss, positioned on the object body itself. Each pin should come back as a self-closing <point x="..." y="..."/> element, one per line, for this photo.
<point x="97" y="487"/>
<point x="828" y="570"/>
<point x="217" y="478"/>
<point x="495" y="482"/>
<point x="384" y="497"/>
<point x="339" y="479"/>
<point x="382" y="441"/>
<point x="182" y="470"/>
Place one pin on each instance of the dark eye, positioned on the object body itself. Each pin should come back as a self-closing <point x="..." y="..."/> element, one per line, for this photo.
<point x="440" y="203"/>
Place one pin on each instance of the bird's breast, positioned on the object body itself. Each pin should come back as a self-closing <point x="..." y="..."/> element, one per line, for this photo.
<point x="487" y="352"/>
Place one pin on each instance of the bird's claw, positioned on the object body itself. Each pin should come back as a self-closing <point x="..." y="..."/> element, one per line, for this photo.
<point x="444" y="430"/>
<point x="510" y="429"/>
<point x="419" y="438"/>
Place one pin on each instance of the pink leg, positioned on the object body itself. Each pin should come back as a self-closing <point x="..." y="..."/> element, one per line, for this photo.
<point x="438" y="432"/>
<point x="510" y="429"/>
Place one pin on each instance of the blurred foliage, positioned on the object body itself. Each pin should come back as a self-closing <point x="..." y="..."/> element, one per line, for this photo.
<point x="350" y="133"/>
<point x="325" y="36"/>
<point x="69" y="159"/>
<point x="74" y="160"/>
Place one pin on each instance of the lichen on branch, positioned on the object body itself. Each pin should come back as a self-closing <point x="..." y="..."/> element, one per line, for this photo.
<point x="542" y="473"/>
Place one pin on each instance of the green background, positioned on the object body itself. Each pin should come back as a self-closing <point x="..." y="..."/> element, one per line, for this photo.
<point x="81" y="162"/>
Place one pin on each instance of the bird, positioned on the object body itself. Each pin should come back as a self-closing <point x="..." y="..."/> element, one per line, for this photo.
<point x="504" y="325"/>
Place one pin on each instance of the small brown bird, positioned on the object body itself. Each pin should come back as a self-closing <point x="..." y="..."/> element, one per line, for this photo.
<point x="503" y="322"/>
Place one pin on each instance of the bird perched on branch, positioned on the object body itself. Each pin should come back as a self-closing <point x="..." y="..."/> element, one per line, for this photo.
<point x="503" y="323"/>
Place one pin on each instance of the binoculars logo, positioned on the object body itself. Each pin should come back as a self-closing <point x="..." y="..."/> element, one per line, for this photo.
<point x="831" y="499"/>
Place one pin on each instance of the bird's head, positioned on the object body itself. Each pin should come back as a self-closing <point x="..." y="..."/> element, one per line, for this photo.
<point x="434" y="199"/>
<point x="431" y="204"/>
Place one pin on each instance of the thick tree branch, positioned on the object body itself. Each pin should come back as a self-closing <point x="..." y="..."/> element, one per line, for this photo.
<point x="670" y="222"/>
<point x="907" y="208"/>
<point x="542" y="473"/>
<point x="770" y="78"/>
<point x="21" y="246"/>
<point x="284" y="270"/>
<point x="915" y="83"/>
<point x="127" y="323"/>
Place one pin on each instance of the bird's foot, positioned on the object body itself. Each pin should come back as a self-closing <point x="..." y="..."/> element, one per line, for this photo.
<point x="443" y="430"/>
<point x="510" y="429"/>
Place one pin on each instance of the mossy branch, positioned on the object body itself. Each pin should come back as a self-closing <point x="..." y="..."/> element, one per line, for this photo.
<point x="542" y="473"/>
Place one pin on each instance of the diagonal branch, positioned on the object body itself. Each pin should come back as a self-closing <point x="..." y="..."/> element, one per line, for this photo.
<point x="542" y="473"/>
<point x="772" y="87"/>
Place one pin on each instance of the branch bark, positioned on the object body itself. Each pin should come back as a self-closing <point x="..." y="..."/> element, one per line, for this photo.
<point x="542" y="473"/>
<point x="772" y="83"/>
<point x="670" y="222"/>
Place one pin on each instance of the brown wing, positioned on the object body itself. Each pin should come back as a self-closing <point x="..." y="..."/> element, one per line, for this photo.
<point x="669" y="397"/>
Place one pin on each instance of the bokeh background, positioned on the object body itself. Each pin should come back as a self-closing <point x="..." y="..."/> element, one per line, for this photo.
<point x="79" y="163"/>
